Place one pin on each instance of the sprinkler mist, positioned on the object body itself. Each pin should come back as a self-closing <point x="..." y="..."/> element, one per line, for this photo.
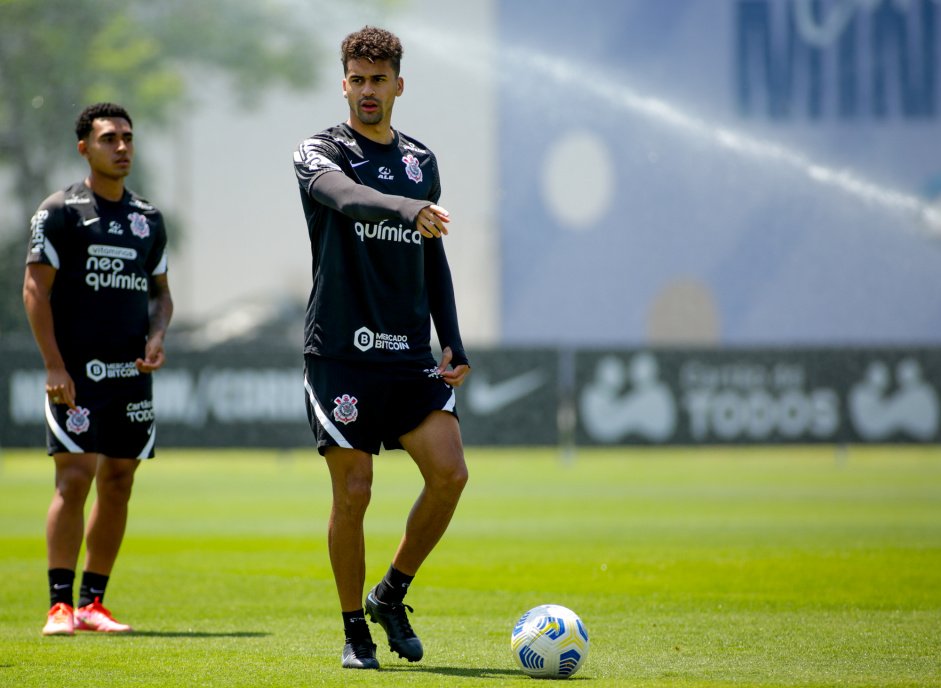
<point x="481" y="59"/>
<point x="660" y="111"/>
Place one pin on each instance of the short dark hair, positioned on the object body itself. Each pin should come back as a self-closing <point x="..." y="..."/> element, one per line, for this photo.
<point x="83" y="125"/>
<point x="373" y="44"/>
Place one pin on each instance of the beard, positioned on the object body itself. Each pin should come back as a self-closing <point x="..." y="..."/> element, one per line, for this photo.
<point x="369" y="117"/>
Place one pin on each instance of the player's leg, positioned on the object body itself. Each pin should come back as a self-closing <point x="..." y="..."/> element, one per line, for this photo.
<point x="351" y="473"/>
<point x="125" y="435"/>
<point x="65" y="522"/>
<point x="346" y="422"/>
<point x="436" y="447"/>
<point x="437" y="450"/>
<point x="104" y="534"/>
<point x="351" y="476"/>
<point x="107" y="520"/>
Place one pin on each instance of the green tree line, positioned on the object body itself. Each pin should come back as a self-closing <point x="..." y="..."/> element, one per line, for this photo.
<point x="56" y="56"/>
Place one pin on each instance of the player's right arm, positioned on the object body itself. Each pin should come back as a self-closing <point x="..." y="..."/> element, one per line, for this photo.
<point x="360" y="202"/>
<point x="37" y="293"/>
<point x="42" y="264"/>
<point x="317" y="164"/>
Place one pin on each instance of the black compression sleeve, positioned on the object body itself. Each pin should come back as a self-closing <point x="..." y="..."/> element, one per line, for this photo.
<point x="441" y="300"/>
<point x="336" y="190"/>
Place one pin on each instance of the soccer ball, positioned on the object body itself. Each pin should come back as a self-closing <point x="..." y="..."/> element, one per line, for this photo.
<point x="549" y="641"/>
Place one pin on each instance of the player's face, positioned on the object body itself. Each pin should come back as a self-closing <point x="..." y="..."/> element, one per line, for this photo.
<point x="109" y="148"/>
<point x="371" y="89"/>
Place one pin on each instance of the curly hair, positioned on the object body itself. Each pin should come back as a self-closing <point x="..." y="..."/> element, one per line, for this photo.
<point x="83" y="125"/>
<point x="373" y="44"/>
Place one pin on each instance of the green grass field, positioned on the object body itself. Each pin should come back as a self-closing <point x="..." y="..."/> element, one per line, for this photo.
<point x="690" y="567"/>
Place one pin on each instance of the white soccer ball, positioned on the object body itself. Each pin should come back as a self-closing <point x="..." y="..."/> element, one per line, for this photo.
<point x="549" y="641"/>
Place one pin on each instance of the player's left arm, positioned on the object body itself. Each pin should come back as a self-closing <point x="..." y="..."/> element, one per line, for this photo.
<point x="161" y="310"/>
<point x="443" y="309"/>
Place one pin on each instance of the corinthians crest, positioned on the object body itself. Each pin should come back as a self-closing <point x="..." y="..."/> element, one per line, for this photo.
<point x="139" y="225"/>
<point x="412" y="168"/>
<point x="77" y="422"/>
<point x="346" y="411"/>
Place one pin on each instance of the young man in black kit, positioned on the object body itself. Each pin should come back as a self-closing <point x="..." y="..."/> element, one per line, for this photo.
<point x="380" y="276"/>
<point x="98" y="301"/>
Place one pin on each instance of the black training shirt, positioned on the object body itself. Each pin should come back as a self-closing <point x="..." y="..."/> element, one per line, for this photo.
<point x="377" y="283"/>
<point x="105" y="254"/>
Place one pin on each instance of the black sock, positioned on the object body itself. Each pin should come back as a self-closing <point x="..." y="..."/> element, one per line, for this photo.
<point x="354" y="625"/>
<point x="61" y="582"/>
<point x="93" y="586"/>
<point x="393" y="586"/>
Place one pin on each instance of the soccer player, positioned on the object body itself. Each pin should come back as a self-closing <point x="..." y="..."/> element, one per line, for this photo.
<point x="380" y="276"/>
<point x="98" y="303"/>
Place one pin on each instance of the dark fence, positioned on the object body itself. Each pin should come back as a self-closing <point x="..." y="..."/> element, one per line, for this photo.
<point x="253" y="397"/>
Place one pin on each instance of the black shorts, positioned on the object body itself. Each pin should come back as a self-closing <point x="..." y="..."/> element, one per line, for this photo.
<point x="115" y="417"/>
<point x="365" y="406"/>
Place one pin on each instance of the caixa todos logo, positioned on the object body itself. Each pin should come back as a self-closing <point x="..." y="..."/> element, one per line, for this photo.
<point x="365" y="339"/>
<point x="140" y="412"/>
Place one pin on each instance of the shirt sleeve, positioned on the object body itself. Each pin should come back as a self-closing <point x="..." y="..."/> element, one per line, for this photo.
<point x="46" y="229"/>
<point x="441" y="301"/>
<point x="313" y="158"/>
<point x="434" y="194"/>
<point x="157" y="260"/>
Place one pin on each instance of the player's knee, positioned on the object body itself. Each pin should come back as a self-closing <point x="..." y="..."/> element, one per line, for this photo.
<point x="459" y="477"/>
<point x="115" y="486"/>
<point x="355" y="495"/>
<point x="450" y="481"/>
<point x="74" y="482"/>
<point x="73" y="488"/>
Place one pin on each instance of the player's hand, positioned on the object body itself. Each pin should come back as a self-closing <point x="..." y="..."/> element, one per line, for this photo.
<point x="60" y="388"/>
<point x="455" y="376"/>
<point x="432" y="220"/>
<point x="153" y="355"/>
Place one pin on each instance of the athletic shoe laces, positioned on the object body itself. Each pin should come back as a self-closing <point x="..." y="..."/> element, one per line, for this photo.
<point x="60" y="609"/>
<point x="398" y="618"/>
<point x="97" y="607"/>
<point x="363" y="649"/>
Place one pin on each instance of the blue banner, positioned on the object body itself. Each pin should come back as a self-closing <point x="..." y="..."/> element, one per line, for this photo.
<point x="754" y="172"/>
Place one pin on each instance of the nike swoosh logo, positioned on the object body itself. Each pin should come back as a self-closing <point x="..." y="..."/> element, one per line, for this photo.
<point x="357" y="164"/>
<point x="62" y="586"/>
<point x="91" y="221"/>
<point x="485" y="398"/>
